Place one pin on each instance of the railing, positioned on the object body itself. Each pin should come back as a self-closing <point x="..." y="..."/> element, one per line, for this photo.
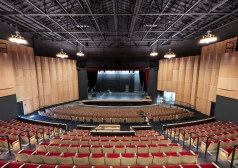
<point x="171" y="129"/>
<point x="28" y="136"/>
<point x="177" y="103"/>
<point x="182" y="134"/>
<point x="233" y="155"/>
<point x="8" y="143"/>
<point x="218" y="148"/>
<point x="207" y="144"/>
<point x="37" y="136"/>
<point x="190" y="139"/>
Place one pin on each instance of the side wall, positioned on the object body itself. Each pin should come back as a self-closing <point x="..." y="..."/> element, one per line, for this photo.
<point x="83" y="84"/>
<point x="195" y="79"/>
<point x="226" y="109"/>
<point x="36" y="86"/>
<point x="8" y="107"/>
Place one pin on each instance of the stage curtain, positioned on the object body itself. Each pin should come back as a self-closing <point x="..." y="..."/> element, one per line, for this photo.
<point x="92" y="79"/>
<point x="146" y="77"/>
<point x="141" y="75"/>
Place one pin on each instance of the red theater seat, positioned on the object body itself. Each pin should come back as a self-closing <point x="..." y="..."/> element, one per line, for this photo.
<point x="29" y="165"/>
<point x="15" y="165"/>
<point x="172" y="166"/>
<point x="47" y="166"/>
<point x="3" y="164"/>
<point x="189" y="165"/>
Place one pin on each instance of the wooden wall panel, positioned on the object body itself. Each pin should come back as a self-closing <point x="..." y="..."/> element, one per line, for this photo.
<point x="7" y="84"/>
<point x="228" y="77"/>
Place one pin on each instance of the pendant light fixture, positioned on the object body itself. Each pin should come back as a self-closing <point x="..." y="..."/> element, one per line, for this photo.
<point x="169" y="54"/>
<point x="17" y="38"/>
<point x="80" y="53"/>
<point x="208" y="38"/>
<point x="154" y="53"/>
<point x="62" y="54"/>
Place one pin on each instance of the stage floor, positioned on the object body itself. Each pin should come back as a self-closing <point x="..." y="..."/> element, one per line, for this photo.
<point x="118" y="95"/>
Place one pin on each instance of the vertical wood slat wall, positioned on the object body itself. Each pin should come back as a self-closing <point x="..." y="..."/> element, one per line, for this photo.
<point x="228" y="76"/>
<point x="57" y="80"/>
<point x="37" y="81"/>
<point x="204" y="74"/>
<point x="179" y="75"/>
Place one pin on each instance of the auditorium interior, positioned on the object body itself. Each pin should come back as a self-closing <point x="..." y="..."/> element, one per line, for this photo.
<point x="118" y="83"/>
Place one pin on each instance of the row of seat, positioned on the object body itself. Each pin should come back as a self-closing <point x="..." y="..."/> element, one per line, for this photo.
<point x="110" y="159"/>
<point x="85" y="137"/>
<point x="23" y="137"/>
<point x="209" y="131"/>
<point x="224" y="143"/>
<point x="226" y="153"/>
<point x="197" y="127"/>
<point x="169" y="117"/>
<point x="109" y="148"/>
<point x="31" y="165"/>
<point x="226" y="135"/>
<point x="109" y="142"/>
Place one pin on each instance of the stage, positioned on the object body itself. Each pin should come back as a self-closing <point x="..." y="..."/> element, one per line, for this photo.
<point x="117" y="99"/>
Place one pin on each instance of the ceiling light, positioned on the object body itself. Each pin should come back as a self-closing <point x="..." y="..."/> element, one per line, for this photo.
<point x="208" y="38"/>
<point x="62" y="54"/>
<point x="150" y="25"/>
<point x="17" y="38"/>
<point x="80" y="53"/>
<point x="154" y="53"/>
<point x="169" y="54"/>
<point x="83" y="26"/>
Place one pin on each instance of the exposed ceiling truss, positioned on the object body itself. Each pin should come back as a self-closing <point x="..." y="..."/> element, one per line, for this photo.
<point x="97" y="23"/>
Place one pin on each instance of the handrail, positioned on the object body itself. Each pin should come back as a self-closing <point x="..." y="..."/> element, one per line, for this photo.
<point x="8" y="143"/>
<point x="207" y="144"/>
<point x="182" y="134"/>
<point x="233" y="155"/>
<point x="171" y="132"/>
<point x="218" y="148"/>
<point x="28" y="136"/>
<point x="37" y="138"/>
<point x="190" y="139"/>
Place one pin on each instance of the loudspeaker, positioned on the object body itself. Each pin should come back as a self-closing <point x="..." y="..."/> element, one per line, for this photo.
<point x="80" y="64"/>
<point x="154" y="64"/>
<point x="124" y="127"/>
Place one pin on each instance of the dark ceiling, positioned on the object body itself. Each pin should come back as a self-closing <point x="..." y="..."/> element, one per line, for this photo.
<point x="118" y="23"/>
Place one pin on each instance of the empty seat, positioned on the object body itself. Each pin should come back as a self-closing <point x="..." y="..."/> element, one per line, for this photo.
<point x="128" y="159"/>
<point x="96" y="149"/>
<point x="84" y="149"/>
<point x="144" y="159"/>
<point x="112" y="159"/>
<point x="142" y="149"/>
<point x="96" y="159"/>
<point x="30" y="165"/>
<point x="159" y="159"/>
<point x="65" y="160"/>
<point x="81" y="159"/>
<point x="119" y="149"/>
<point x="107" y="149"/>
<point x="131" y="149"/>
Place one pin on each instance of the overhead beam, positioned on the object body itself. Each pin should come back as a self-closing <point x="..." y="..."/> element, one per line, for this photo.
<point x="197" y="2"/>
<point x="34" y="21"/>
<point x="94" y="32"/>
<point x="134" y="17"/>
<point x="212" y="23"/>
<point x="110" y="14"/>
<point x="115" y="17"/>
<point x="155" y="21"/>
<point x="199" y="18"/>
<point x="73" y="21"/>
<point x="33" y="5"/>
<point x="91" y="13"/>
